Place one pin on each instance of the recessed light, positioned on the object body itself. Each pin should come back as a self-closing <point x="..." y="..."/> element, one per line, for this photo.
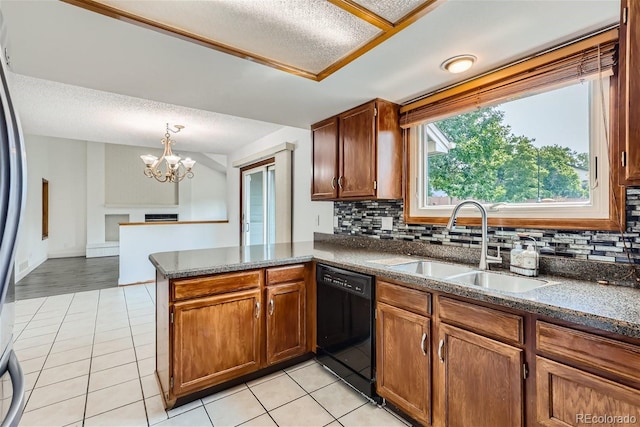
<point x="458" y="64"/>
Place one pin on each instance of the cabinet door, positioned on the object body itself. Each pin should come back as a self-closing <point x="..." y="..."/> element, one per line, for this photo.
<point x="403" y="360"/>
<point x="481" y="380"/>
<point x="570" y="397"/>
<point x="630" y="87"/>
<point x="324" y="183"/>
<point x="357" y="152"/>
<point x="215" y="339"/>
<point x="286" y="324"/>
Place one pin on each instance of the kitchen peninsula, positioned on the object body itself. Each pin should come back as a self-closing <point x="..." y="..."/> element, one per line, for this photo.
<point x="219" y="323"/>
<point x="139" y="239"/>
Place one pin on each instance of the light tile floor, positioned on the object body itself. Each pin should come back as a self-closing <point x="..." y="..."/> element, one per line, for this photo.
<point x="88" y="359"/>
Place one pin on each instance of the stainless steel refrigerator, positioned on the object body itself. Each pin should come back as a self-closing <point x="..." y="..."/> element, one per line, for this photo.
<point x="12" y="198"/>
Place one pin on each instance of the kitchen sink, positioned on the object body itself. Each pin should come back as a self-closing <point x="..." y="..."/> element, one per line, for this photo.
<point x="502" y="282"/>
<point x="438" y="270"/>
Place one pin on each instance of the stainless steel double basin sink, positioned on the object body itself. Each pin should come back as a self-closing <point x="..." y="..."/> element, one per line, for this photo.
<point x="469" y="276"/>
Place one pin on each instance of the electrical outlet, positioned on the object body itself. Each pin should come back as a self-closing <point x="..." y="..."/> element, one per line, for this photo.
<point x="335" y="221"/>
<point x="387" y="223"/>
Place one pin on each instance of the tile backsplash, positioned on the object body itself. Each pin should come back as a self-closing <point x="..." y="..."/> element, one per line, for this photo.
<point x="365" y="218"/>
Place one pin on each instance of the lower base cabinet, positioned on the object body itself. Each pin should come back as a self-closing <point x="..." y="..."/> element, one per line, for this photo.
<point x="568" y="396"/>
<point x="215" y="339"/>
<point x="481" y="380"/>
<point x="286" y="325"/>
<point x="217" y="328"/>
<point x="404" y="360"/>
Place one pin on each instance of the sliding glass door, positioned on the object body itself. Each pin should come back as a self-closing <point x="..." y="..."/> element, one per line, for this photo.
<point x="258" y="205"/>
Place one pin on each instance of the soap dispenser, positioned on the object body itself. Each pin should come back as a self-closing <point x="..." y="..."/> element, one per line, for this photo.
<point x="530" y="260"/>
<point x="516" y="255"/>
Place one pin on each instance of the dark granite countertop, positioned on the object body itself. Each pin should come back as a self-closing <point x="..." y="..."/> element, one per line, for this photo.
<point x="610" y="308"/>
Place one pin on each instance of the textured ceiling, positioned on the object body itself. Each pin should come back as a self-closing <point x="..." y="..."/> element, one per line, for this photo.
<point x="306" y="34"/>
<point x="59" y="42"/>
<point x="309" y="38"/>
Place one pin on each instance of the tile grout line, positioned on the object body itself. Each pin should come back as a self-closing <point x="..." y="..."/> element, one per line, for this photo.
<point x="95" y="326"/>
<point x="29" y="321"/>
<point x="26" y="403"/>
<point x="131" y="380"/>
<point x="261" y="404"/>
<point x="367" y="401"/>
<point x="135" y="354"/>
<point x="309" y="393"/>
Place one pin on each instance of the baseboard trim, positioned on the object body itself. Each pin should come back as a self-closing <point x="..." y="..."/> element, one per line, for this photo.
<point x="22" y="274"/>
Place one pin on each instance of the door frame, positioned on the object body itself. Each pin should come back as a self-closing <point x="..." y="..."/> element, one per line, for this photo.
<point x="265" y="162"/>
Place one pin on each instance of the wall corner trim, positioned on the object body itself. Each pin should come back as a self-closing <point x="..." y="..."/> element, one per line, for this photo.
<point x="265" y="154"/>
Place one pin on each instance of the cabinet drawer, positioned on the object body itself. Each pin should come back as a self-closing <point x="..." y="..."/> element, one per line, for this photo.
<point x="287" y="273"/>
<point x="217" y="284"/>
<point x="486" y="321"/>
<point x="399" y="296"/>
<point x="603" y="354"/>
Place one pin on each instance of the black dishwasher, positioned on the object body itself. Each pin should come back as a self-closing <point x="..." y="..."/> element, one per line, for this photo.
<point x="346" y="326"/>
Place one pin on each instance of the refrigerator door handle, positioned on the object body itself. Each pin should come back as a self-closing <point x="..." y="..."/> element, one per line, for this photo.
<point x="17" y="400"/>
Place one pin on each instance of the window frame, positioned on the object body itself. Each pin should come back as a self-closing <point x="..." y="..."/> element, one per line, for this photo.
<point x="610" y="215"/>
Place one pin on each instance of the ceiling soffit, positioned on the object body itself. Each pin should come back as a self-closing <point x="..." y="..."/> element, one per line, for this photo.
<point x="308" y="38"/>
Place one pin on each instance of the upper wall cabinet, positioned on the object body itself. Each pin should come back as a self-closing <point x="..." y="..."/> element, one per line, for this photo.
<point x="629" y="64"/>
<point x="357" y="155"/>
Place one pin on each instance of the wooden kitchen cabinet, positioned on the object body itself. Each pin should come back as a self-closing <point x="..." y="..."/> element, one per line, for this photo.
<point x="286" y="325"/>
<point x="217" y="328"/>
<point x="403" y="352"/>
<point x="325" y="160"/>
<point x="286" y="315"/>
<point x="566" y="392"/>
<point x="357" y="155"/>
<point x="629" y="91"/>
<point x="480" y="363"/>
<point x="481" y="379"/>
<point x="565" y="396"/>
<point x="215" y="339"/>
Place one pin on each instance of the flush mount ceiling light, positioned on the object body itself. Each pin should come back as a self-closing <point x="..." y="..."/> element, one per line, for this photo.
<point x="176" y="168"/>
<point x="458" y="64"/>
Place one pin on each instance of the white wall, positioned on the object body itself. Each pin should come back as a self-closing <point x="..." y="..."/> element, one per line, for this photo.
<point x="124" y="171"/>
<point x="67" y="197"/>
<point x="65" y="169"/>
<point x="308" y="216"/>
<point x="77" y="200"/>
<point x="206" y="193"/>
<point x="32" y="250"/>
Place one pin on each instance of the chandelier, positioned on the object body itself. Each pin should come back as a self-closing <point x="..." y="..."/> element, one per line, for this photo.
<point x="176" y="168"/>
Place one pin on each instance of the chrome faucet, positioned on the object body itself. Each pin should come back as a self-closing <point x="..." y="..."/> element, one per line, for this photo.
<point x="485" y="259"/>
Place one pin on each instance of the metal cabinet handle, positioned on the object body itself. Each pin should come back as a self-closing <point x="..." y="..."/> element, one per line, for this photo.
<point x="246" y="228"/>
<point x="257" y="309"/>
<point x="424" y="338"/>
<point x="440" y="346"/>
<point x="271" y="306"/>
<point x="340" y="181"/>
<point x="333" y="183"/>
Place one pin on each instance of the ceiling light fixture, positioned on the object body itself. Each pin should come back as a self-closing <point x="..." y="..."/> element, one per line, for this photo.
<point x="176" y="168"/>
<point x="458" y="64"/>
